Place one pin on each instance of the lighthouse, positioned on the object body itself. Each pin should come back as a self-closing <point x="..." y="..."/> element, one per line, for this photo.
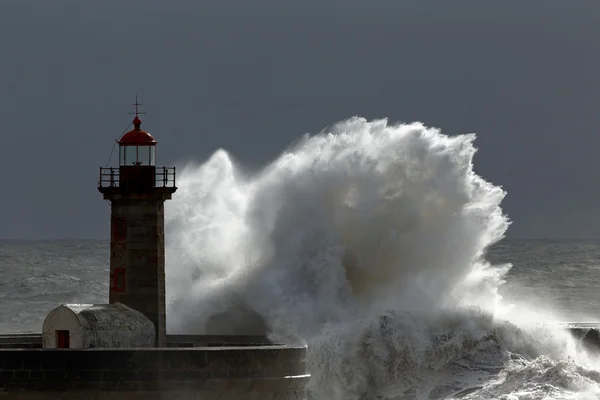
<point x="120" y="350"/>
<point x="137" y="190"/>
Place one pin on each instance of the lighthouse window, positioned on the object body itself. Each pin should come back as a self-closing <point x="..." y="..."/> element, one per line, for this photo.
<point x="130" y="155"/>
<point x="119" y="228"/>
<point x="118" y="281"/>
<point x="152" y="151"/>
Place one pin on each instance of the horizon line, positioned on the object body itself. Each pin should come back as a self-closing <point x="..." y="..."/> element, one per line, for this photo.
<point x="48" y="239"/>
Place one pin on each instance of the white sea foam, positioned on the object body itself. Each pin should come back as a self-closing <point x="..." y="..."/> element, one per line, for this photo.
<point x="368" y="242"/>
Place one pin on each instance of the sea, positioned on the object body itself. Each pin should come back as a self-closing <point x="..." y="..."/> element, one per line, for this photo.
<point x="374" y="243"/>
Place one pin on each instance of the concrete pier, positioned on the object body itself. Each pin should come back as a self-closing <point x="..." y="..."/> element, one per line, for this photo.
<point x="226" y="373"/>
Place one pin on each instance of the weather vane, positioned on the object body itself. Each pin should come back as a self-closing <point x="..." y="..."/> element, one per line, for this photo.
<point x="136" y="104"/>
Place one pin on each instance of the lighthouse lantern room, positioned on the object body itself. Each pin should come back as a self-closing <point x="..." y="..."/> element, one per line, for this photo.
<point x="137" y="154"/>
<point x="137" y="147"/>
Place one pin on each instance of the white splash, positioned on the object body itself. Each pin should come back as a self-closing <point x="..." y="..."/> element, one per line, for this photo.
<point x="368" y="242"/>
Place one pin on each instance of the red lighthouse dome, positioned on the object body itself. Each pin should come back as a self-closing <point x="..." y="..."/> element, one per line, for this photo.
<point x="137" y="136"/>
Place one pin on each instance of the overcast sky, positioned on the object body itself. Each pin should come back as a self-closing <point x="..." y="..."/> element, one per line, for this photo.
<point x="252" y="76"/>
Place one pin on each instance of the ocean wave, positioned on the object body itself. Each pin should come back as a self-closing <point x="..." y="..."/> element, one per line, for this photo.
<point x="367" y="241"/>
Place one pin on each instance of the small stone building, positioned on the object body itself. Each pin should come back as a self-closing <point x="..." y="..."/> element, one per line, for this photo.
<point x="82" y="326"/>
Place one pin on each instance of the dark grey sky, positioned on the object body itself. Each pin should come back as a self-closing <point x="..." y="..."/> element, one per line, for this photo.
<point x="523" y="75"/>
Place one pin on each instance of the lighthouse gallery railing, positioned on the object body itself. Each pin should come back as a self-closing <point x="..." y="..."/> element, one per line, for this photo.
<point x="164" y="177"/>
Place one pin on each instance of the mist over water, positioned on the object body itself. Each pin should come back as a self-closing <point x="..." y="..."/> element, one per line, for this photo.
<point x="367" y="241"/>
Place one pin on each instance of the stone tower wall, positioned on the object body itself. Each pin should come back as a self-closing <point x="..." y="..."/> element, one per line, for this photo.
<point x="137" y="253"/>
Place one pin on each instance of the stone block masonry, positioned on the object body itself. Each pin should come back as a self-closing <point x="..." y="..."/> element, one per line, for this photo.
<point x="226" y="373"/>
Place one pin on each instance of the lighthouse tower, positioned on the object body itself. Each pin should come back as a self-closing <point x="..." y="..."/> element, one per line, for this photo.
<point x="137" y="190"/>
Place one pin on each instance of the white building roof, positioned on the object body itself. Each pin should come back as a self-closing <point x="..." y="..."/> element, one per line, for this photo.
<point x="100" y="325"/>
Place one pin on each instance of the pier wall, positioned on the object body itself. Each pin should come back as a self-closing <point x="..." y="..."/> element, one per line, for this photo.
<point x="216" y="340"/>
<point x="34" y="340"/>
<point x="20" y="340"/>
<point x="225" y="373"/>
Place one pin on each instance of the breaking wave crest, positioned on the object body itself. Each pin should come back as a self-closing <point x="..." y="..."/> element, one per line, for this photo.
<point x="368" y="242"/>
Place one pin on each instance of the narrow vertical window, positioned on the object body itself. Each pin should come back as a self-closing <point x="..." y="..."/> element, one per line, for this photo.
<point x="121" y="156"/>
<point x="119" y="228"/>
<point x="118" y="280"/>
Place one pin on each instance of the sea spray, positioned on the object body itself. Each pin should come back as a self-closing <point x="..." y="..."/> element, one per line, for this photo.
<point x="367" y="241"/>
